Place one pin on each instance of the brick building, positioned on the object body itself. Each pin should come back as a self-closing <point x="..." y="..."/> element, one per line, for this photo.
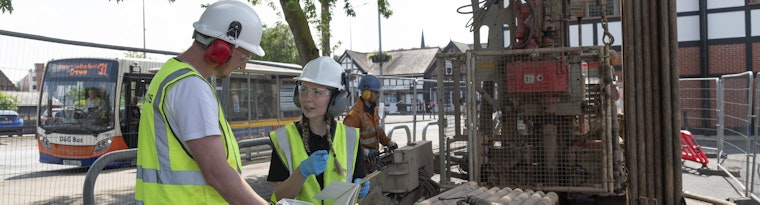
<point x="31" y="82"/>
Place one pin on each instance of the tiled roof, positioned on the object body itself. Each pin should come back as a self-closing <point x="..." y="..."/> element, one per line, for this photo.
<point x="403" y="62"/>
<point x="471" y="193"/>
<point x="360" y="59"/>
<point x="462" y="46"/>
<point x="457" y="47"/>
<point x="6" y="84"/>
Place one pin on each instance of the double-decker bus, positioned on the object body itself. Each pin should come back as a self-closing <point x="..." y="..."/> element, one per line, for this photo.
<point x="91" y="106"/>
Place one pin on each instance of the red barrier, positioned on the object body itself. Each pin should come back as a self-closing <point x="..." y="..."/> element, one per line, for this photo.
<point x="690" y="150"/>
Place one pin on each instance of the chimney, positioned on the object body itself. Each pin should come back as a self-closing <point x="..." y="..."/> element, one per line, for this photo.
<point x="38" y="70"/>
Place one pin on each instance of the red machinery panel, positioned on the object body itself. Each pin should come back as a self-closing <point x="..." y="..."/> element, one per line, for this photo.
<point x="537" y="77"/>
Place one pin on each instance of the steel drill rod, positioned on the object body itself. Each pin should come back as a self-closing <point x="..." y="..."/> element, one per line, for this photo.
<point x="675" y="146"/>
<point x="629" y="105"/>
<point x="640" y="100"/>
<point x="652" y="88"/>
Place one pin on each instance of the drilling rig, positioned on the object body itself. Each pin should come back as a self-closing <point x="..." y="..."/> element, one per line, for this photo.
<point x="538" y="114"/>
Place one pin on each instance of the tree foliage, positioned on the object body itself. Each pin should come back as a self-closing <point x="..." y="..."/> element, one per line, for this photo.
<point x="298" y="17"/>
<point x="132" y="54"/>
<point x="79" y="95"/>
<point x="5" y="5"/>
<point x="8" y="102"/>
<point x="279" y="45"/>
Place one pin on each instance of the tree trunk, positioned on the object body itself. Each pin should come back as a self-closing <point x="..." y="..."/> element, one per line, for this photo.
<point x="325" y="25"/>
<point x="307" y="50"/>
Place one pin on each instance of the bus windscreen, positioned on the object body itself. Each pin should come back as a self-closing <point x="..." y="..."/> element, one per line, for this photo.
<point x="80" y="93"/>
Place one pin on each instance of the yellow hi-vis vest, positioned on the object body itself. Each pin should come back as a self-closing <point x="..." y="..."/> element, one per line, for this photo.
<point x="290" y="147"/>
<point x="166" y="173"/>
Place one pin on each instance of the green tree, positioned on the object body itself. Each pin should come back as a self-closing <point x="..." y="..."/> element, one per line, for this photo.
<point x="5" y="5"/>
<point x="132" y="54"/>
<point x="8" y="102"/>
<point x="301" y="13"/>
<point x="279" y="45"/>
<point x="79" y="95"/>
<point x="298" y="19"/>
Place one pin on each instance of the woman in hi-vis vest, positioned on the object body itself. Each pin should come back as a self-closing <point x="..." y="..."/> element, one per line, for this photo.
<point x="311" y="153"/>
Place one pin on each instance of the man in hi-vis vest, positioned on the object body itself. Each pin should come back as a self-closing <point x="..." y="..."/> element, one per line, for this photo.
<point x="311" y="153"/>
<point x="187" y="153"/>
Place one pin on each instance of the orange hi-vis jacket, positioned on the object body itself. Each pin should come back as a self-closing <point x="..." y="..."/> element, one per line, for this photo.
<point x="372" y="133"/>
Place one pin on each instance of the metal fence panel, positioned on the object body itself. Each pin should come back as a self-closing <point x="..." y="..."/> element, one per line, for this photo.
<point x="699" y="101"/>
<point x="720" y="110"/>
<point x="735" y="102"/>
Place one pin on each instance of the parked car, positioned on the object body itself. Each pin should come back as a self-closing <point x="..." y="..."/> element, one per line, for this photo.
<point x="10" y="123"/>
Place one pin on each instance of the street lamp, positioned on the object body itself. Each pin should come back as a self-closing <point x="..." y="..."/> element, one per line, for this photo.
<point x="351" y="85"/>
<point x="145" y="54"/>
<point x="380" y="53"/>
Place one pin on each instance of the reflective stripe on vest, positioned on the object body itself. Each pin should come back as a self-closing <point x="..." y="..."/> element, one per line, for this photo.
<point x="370" y="130"/>
<point x="289" y="146"/>
<point x="166" y="173"/>
<point x="284" y="145"/>
<point x="175" y="177"/>
<point x="368" y="140"/>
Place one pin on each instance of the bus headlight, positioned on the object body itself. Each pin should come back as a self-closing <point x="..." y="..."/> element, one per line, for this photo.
<point x="44" y="142"/>
<point x="101" y="146"/>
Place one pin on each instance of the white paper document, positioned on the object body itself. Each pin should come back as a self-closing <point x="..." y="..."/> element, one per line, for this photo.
<point x="341" y="192"/>
<point x="344" y="193"/>
<point x="292" y="202"/>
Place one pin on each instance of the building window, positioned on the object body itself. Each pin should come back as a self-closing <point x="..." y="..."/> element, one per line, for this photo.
<point x="591" y="9"/>
<point x="754" y="1"/>
<point x="448" y="67"/>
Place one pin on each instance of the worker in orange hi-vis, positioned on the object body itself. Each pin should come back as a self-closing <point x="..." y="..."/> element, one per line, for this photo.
<point x="365" y="116"/>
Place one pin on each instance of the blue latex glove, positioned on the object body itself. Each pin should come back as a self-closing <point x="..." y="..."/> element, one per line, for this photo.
<point x="371" y="153"/>
<point x="364" y="190"/>
<point x="392" y="145"/>
<point x="315" y="164"/>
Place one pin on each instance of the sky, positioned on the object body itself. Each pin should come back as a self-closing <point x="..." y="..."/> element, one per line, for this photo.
<point x="168" y="26"/>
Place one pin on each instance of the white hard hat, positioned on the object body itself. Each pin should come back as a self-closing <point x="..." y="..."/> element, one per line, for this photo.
<point x="324" y="71"/>
<point x="232" y="21"/>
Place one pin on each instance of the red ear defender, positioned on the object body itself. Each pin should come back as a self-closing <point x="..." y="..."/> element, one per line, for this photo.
<point x="218" y="52"/>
